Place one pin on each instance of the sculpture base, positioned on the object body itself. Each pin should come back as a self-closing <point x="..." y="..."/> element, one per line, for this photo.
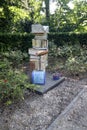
<point x="49" y="84"/>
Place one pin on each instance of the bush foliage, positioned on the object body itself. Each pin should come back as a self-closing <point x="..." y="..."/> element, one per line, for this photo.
<point x="13" y="80"/>
<point x="61" y="39"/>
<point x="74" y="58"/>
<point x="23" y="41"/>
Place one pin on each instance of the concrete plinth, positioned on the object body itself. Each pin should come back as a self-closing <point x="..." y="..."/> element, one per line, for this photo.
<point x="50" y="84"/>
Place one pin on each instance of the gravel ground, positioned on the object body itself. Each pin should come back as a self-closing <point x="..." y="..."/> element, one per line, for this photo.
<point x="75" y="118"/>
<point x="37" y="112"/>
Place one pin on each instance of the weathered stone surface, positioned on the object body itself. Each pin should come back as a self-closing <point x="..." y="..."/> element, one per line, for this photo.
<point x="41" y="36"/>
<point x="49" y="84"/>
<point x="38" y="28"/>
<point x="39" y="44"/>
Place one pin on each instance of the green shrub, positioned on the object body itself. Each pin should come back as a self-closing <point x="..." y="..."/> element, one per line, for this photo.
<point x="15" y="57"/>
<point x="74" y="58"/>
<point x="13" y="81"/>
<point x="67" y="38"/>
<point x="65" y="50"/>
<point x="21" y="41"/>
<point x="75" y="65"/>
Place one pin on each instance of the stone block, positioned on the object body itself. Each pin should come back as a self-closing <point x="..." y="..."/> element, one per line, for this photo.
<point x="41" y="36"/>
<point x="38" y="28"/>
<point x="38" y="64"/>
<point x="39" y="44"/>
<point x="37" y="52"/>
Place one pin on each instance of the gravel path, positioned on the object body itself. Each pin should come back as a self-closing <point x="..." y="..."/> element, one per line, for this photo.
<point x="75" y="118"/>
<point x="37" y="112"/>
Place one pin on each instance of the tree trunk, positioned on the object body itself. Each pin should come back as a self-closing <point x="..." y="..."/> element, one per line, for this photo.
<point x="47" y="4"/>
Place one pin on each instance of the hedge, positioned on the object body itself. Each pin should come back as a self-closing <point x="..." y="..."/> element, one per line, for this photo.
<point x="23" y="41"/>
<point x="18" y="40"/>
<point x="68" y="38"/>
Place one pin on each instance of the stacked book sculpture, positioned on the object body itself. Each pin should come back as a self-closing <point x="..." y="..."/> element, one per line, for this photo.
<point x="39" y="53"/>
<point x="39" y="61"/>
